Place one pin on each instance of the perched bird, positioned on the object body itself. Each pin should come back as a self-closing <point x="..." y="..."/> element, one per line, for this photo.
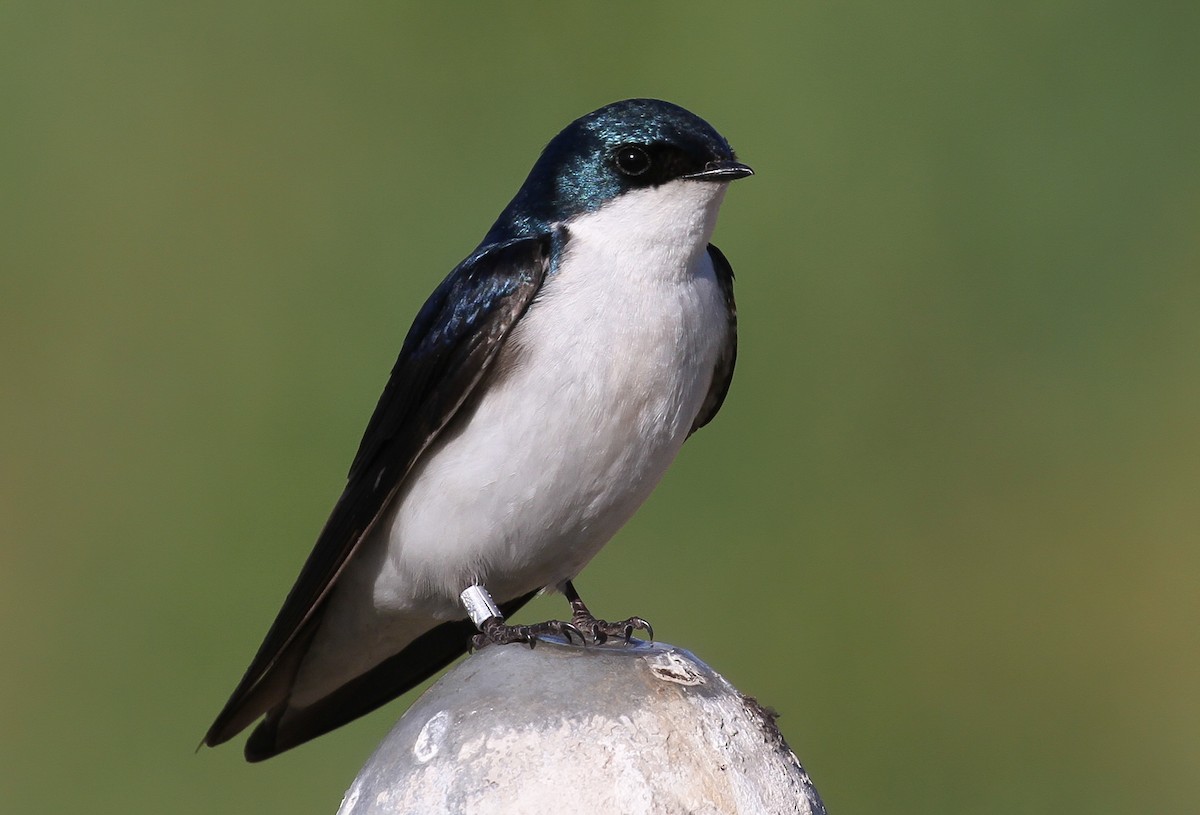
<point x="539" y="397"/>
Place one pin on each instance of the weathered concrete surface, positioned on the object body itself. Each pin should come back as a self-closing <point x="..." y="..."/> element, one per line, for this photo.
<point x="618" y="729"/>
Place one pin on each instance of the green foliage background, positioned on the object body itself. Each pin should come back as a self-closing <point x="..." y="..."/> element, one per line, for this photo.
<point x="946" y="523"/>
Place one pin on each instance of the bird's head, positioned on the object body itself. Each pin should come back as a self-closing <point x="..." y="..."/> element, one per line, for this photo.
<point x="636" y="144"/>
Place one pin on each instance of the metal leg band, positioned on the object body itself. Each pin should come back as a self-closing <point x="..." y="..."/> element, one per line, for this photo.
<point x="479" y="604"/>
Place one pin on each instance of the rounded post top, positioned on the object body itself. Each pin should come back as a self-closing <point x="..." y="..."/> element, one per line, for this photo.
<point x="630" y="728"/>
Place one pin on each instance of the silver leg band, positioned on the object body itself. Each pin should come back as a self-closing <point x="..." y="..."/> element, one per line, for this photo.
<point x="480" y="605"/>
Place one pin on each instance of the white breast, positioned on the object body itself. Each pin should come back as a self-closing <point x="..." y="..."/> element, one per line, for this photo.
<point x="605" y="375"/>
<point x="596" y="391"/>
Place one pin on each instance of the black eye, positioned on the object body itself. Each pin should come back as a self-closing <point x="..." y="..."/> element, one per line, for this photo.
<point x="632" y="160"/>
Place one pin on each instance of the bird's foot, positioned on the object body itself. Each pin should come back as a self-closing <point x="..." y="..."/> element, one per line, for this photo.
<point x="599" y="631"/>
<point x="494" y="631"/>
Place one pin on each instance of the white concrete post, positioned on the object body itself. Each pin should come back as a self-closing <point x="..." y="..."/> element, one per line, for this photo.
<point x="615" y="729"/>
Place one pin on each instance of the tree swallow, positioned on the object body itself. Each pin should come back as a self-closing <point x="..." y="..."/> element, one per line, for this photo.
<point x="539" y="397"/>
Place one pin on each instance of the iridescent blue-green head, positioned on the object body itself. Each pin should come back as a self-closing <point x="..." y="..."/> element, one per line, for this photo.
<point x="628" y="145"/>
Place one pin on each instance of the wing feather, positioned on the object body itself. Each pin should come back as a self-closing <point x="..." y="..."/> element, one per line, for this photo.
<point x="723" y="372"/>
<point x="450" y="347"/>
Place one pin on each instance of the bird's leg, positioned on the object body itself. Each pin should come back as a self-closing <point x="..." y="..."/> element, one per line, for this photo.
<point x="600" y="630"/>
<point x="494" y="631"/>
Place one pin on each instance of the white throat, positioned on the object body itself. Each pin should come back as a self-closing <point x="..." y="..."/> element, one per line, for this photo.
<point x="673" y="220"/>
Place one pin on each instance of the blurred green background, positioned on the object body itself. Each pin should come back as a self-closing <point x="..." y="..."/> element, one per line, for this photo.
<point x="947" y="522"/>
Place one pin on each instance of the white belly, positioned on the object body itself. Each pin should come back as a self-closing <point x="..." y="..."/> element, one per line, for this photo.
<point x="595" y="392"/>
<point x="601" y="390"/>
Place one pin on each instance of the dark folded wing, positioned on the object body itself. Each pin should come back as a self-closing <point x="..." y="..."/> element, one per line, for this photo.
<point x="421" y="659"/>
<point x="450" y="347"/>
<point x="723" y="373"/>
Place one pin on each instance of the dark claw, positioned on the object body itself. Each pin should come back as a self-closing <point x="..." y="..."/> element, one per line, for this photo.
<point x="627" y="627"/>
<point x="636" y="624"/>
<point x="602" y="630"/>
<point x="562" y="629"/>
